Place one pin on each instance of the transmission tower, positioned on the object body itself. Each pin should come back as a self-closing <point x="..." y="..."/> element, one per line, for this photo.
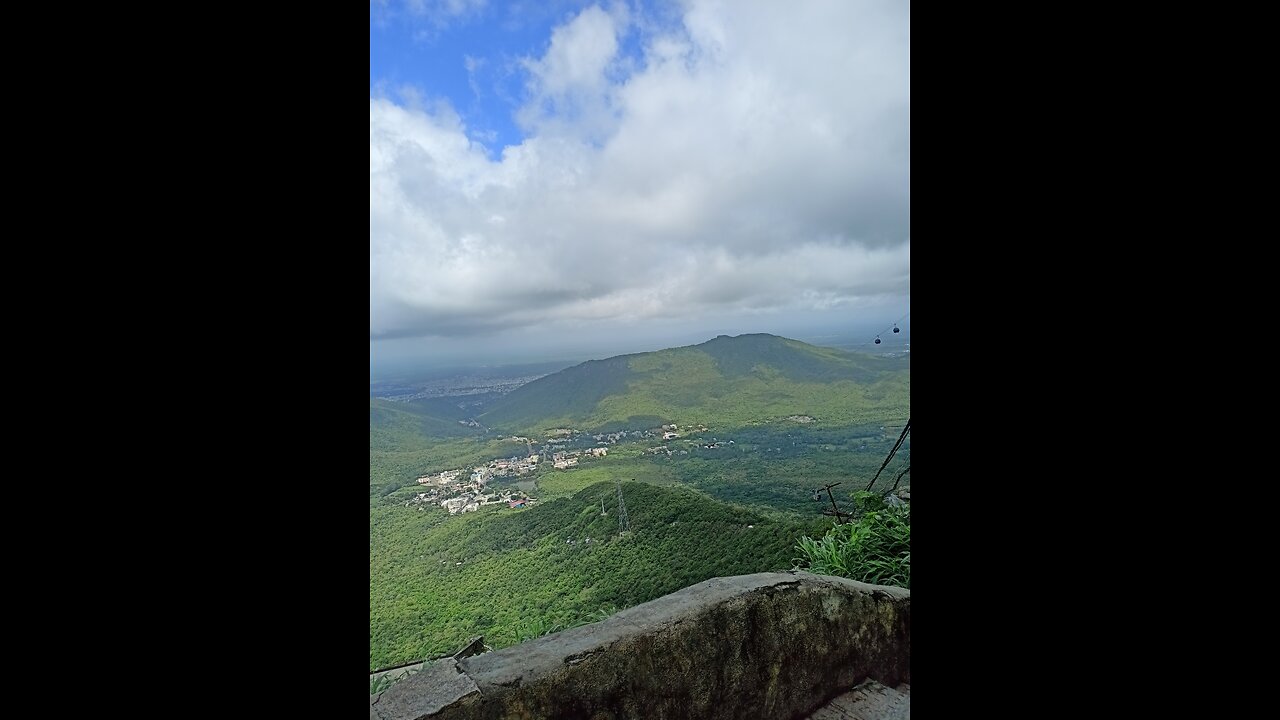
<point x="623" y="525"/>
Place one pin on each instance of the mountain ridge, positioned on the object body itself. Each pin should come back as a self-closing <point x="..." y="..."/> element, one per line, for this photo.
<point x="744" y="378"/>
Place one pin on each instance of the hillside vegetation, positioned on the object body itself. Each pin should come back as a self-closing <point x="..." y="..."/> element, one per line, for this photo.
<point x="728" y="381"/>
<point x="730" y="384"/>
<point x="781" y="418"/>
<point x="518" y="570"/>
<point x="409" y="439"/>
<point x="398" y="422"/>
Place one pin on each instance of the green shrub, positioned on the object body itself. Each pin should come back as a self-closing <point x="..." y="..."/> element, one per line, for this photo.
<point x="874" y="548"/>
<point x="539" y="627"/>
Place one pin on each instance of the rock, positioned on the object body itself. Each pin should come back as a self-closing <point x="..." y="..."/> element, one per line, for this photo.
<point x="869" y="701"/>
<point x="474" y="646"/>
<point x="424" y="694"/>
<point x="765" y="645"/>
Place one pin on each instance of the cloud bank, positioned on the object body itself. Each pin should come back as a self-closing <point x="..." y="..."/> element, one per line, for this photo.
<point x="729" y="158"/>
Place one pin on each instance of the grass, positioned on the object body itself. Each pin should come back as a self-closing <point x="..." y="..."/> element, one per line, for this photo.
<point x="541" y="626"/>
<point x="559" y="483"/>
<point x="874" y="548"/>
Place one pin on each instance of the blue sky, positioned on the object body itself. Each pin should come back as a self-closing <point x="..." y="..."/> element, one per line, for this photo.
<point x="618" y="176"/>
<point x="470" y="53"/>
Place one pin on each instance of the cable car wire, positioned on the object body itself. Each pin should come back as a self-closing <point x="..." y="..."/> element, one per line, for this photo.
<point x="894" y="328"/>
<point x="896" y="445"/>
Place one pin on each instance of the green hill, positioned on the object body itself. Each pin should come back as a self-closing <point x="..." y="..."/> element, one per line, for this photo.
<point x="406" y="439"/>
<point x="518" y="576"/>
<point x="727" y="381"/>
<point x="783" y="418"/>
<point x="422" y="418"/>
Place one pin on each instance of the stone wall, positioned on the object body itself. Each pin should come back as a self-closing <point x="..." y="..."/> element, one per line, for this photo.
<point x="769" y="645"/>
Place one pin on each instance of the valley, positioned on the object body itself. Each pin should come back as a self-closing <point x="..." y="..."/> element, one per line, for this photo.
<point x="483" y="529"/>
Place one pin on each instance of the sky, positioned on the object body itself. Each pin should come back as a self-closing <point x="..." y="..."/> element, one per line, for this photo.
<point x="558" y="179"/>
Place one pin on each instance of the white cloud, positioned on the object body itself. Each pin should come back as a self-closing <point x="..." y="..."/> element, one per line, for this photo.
<point x="756" y="159"/>
<point x="569" y="88"/>
<point x="579" y="53"/>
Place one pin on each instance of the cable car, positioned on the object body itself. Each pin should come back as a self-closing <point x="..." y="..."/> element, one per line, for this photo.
<point x="895" y="328"/>
<point x="877" y="341"/>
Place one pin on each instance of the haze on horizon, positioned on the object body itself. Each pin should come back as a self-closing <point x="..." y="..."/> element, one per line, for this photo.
<point x="572" y="180"/>
<point x="410" y="357"/>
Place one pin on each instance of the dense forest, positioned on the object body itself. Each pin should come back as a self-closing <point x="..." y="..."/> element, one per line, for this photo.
<point x="517" y="567"/>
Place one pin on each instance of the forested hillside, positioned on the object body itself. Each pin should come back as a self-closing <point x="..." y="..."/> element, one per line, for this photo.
<point x="763" y="422"/>
<point x="519" y="574"/>
<point x="728" y="381"/>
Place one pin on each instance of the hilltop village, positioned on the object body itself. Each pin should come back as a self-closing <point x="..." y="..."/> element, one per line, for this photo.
<point x="468" y="489"/>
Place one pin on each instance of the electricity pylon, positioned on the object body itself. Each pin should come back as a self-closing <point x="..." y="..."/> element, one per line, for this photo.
<point x="623" y="524"/>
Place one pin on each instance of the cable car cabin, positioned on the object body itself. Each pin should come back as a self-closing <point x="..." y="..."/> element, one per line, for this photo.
<point x="877" y="341"/>
<point x="895" y="328"/>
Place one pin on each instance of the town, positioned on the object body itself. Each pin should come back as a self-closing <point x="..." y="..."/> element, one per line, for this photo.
<point x="467" y="489"/>
<point x="457" y="495"/>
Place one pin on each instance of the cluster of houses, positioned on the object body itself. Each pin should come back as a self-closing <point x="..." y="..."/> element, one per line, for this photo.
<point x="664" y="450"/>
<point x="443" y="478"/>
<point x="667" y="432"/>
<point x="458" y="496"/>
<point x="469" y="498"/>
<point x="569" y="458"/>
<point x="613" y="437"/>
<point x="502" y="467"/>
<point x="513" y="466"/>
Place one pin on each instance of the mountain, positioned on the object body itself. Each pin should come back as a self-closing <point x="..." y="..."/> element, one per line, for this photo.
<point x="435" y="581"/>
<point x="727" y="381"/>
<point x="408" y="439"/>
<point x="422" y="418"/>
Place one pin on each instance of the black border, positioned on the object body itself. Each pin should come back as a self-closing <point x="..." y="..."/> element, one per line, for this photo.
<point x="275" y="191"/>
